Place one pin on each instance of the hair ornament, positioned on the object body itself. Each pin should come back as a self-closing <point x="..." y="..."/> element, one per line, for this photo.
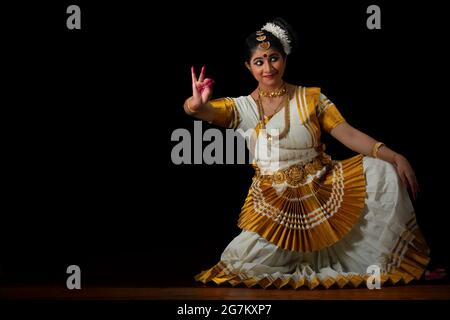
<point x="280" y="33"/>
<point x="261" y="37"/>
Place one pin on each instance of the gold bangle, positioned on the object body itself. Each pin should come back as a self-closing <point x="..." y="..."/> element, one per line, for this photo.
<point x="375" y="149"/>
<point x="186" y="105"/>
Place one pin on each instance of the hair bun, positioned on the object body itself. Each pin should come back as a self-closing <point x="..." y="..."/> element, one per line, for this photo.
<point x="292" y="35"/>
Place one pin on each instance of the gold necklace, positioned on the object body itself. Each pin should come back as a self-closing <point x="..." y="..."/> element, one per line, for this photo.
<point x="287" y="119"/>
<point x="271" y="94"/>
<point x="278" y="108"/>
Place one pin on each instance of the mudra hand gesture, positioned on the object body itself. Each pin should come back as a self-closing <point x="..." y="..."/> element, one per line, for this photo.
<point x="201" y="91"/>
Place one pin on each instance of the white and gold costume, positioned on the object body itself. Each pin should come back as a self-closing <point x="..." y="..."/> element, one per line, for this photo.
<point x="309" y="220"/>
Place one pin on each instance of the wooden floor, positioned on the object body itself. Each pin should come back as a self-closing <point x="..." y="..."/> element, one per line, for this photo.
<point x="409" y="292"/>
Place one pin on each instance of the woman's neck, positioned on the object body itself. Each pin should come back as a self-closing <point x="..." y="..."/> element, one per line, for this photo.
<point x="270" y="88"/>
<point x="273" y="92"/>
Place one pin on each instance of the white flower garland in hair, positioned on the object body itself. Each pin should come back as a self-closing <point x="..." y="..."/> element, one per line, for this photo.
<point x="280" y="33"/>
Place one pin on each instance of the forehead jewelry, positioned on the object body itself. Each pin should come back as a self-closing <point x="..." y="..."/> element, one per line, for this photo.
<point x="265" y="45"/>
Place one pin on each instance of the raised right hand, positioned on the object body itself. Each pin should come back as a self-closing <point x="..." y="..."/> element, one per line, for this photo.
<point x="201" y="90"/>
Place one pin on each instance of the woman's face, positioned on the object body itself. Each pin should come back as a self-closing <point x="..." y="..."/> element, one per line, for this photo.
<point x="267" y="66"/>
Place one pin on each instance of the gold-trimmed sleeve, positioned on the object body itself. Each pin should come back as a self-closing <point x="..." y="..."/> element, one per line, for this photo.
<point x="328" y="114"/>
<point x="225" y="113"/>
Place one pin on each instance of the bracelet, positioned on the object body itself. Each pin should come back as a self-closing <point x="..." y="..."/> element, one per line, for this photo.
<point x="375" y="149"/>
<point x="186" y="106"/>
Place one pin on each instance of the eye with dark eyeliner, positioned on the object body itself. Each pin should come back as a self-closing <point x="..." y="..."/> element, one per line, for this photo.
<point x="258" y="62"/>
<point x="274" y="58"/>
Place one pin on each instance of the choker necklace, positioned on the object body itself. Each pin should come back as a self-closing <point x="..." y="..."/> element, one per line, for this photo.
<point x="271" y="94"/>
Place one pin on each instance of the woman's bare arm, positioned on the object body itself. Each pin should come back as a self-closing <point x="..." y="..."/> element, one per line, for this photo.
<point x="362" y="143"/>
<point x="198" y="104"/>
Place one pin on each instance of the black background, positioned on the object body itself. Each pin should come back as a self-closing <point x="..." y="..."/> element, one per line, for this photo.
<point x="88" y="116"/>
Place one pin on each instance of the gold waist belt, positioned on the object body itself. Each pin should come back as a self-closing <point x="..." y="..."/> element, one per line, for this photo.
<point x="296" y="173"/>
